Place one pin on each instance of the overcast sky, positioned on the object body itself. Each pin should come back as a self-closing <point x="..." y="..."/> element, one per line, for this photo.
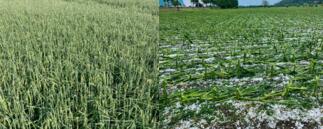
<point x="256" y="2"/>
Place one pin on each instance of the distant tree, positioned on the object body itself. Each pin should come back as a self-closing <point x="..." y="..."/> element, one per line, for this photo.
<point x="316" y="3"/>
<point x="166" y="3"/>
<point x="298" y="2"/>
<point x="199" y="4"/>
<point x="176" y="3"/>
<point x="207" y="2"/>
<point x="195" y="2"/>
<point x="265" y="3"/>
<point x="226" y="3"/>
<point x="235" y="3"/>
<point x="169" y="3"/>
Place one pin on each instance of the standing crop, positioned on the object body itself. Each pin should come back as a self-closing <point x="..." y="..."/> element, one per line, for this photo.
<point x="78" y="64"/>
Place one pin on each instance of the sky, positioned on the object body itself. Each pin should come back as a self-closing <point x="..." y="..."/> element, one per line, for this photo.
<point x="256" y="2"/>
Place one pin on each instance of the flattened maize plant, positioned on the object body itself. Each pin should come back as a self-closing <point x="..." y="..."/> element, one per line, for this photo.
<point x="241" y="68"/>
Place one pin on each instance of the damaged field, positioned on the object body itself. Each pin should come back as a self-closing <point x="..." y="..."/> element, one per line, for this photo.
<point x="241" y="68"/>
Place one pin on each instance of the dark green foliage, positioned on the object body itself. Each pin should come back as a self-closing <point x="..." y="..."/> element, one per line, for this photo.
<point x="176" y="2"/>
<point x="195" y="2"/>
<point x="226" y="3"/>
<point x="298" y="2"/>
<point x="207" y="1"/>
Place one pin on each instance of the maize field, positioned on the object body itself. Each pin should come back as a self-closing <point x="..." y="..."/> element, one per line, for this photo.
<point x="241" y="68"/>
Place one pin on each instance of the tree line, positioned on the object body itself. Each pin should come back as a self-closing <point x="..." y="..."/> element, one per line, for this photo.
<point x="299" y="2"/>
<point x="210" y="3"/>
<point x="221" y="3"/>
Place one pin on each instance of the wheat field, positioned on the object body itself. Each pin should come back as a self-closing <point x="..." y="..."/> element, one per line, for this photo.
<point x="78" y="64"/>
